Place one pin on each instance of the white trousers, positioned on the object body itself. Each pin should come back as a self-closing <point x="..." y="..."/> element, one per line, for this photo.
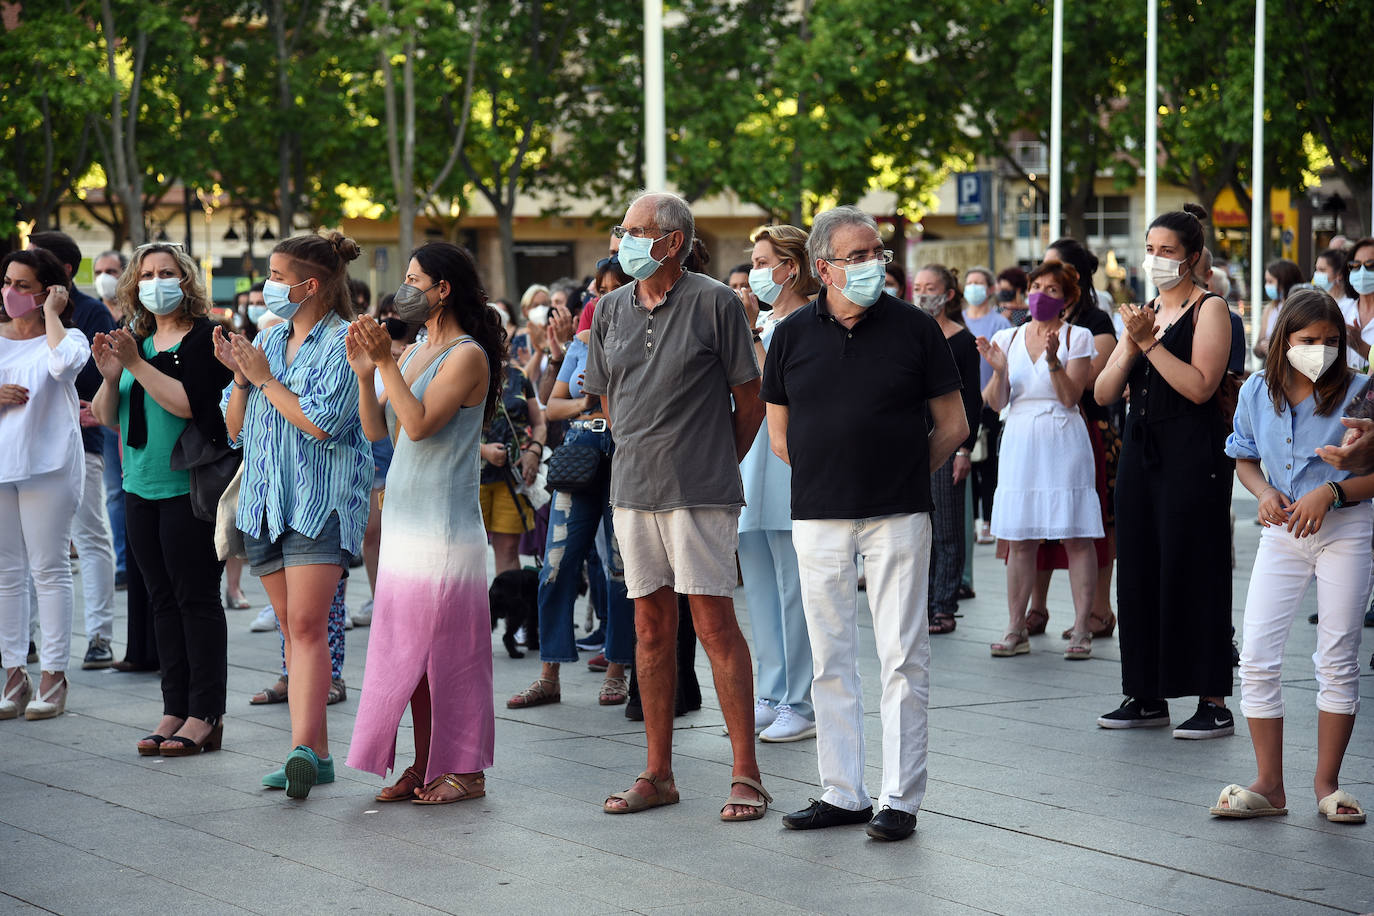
<point x="34" y="536"/>
<point x="1339" y="557"/>
<point x="896" y="554"/>
<point x="95" y="547"/>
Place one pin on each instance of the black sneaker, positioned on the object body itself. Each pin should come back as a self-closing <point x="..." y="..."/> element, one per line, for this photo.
<point x="1133" y="713"/>
<point x="33" y="652"/>
<point x="1210" y="721"/>
<point x="98" y="654"/>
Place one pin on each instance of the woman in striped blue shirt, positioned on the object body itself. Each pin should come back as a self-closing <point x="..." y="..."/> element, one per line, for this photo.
<point x="307" y="473"/>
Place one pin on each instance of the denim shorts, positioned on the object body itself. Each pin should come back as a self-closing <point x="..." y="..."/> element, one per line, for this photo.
<point x="295" y="549"/>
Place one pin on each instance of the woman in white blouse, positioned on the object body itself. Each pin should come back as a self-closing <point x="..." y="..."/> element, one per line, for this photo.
<point x="41" y="476"/>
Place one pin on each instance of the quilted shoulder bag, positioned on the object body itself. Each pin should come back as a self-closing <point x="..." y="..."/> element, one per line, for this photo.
<point x="574" y="468"/>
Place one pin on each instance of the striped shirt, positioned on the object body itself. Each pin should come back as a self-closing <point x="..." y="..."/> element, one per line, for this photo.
<point x="289" y="477"/>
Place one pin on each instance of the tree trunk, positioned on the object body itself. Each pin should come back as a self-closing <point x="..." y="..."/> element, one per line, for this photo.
<point x="505" y="219"/>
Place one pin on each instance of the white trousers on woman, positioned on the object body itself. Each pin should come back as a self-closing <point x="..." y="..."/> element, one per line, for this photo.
<point x="896" y="553"/>
<point x="35" y="534"/>
<point x="95" y="550"/>
<point x="1339" y="556"/>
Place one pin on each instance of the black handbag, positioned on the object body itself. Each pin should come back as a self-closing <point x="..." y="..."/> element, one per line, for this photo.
<point x="574" y="468"/>
<point x="212" y="467"/>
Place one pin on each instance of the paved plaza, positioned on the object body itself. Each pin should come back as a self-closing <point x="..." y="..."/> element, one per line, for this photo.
<point x="1031" y="807"/>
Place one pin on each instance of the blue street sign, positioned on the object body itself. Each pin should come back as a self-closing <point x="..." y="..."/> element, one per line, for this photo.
<point x="972" y="203"/>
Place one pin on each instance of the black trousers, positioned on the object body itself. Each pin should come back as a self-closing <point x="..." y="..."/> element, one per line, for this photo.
<point x="176" y="554"/>
<point x="984" y="476"/>
<point x="142" y="644"/>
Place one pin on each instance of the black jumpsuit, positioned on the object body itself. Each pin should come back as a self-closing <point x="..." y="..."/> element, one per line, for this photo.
<point x="1173" y="535"/>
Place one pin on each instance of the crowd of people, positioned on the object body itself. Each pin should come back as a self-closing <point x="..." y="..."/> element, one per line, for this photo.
<point x="657" y="438"/>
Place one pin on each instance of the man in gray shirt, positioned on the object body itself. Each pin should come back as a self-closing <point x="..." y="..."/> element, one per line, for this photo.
<point x="672" y="357"/>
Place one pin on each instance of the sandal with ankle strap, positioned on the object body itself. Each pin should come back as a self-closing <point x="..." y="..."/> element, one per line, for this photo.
<point x="1016" y="642"/>
<point x="1036" y="621"/>
<point x="410" y="773"/>
<point x="1080" y="646"/>
<point x="665" y="793"/>
<point x="466" y="792"/>
<point x="759" y="805"/>
<point x="543" y="690"/>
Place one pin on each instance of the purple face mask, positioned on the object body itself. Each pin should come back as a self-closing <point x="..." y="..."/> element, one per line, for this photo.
<point x="1044" y="307"/>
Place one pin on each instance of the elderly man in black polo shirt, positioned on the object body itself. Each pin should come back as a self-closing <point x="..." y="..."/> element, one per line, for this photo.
<point x="847" y="383"/>
<point x="672" y="357"/>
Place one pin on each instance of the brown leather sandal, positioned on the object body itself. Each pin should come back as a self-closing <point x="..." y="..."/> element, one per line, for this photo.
<point x="477" y="788"/>
<point x="1036" y="621"/>
<point x="409" y="775"/>
<point x="759" y="805"/>
<point x="1101" y="629"/>
<point x="665" y="793"/>
<point x="274" y="694"/>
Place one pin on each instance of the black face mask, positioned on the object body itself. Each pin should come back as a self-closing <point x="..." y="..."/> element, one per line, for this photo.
<point x="1006" y="295"/>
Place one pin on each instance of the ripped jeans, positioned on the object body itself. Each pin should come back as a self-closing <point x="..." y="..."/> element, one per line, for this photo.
<point x="577" y="521"/>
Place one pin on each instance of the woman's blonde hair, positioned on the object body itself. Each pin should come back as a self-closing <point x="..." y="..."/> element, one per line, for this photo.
<point x="790" y="244"/>
<point x="194" y="302"/>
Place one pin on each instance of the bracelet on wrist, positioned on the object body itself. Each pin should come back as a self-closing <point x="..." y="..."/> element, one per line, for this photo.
<point x="1147" y="351"/>
<point x="244" y="387"/>
<point x="961" y="453"/>
<point x="263" y="386"/>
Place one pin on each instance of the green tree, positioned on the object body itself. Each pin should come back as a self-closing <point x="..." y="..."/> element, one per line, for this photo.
<point x="1318" y="49"/>
<point x="51" y="83"/>
<point x="155" y="122"/>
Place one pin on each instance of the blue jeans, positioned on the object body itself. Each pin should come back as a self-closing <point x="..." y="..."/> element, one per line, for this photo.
<point x="114" y="495"/>
<point x="772" y="590"/>
<point x="574" y="520"/>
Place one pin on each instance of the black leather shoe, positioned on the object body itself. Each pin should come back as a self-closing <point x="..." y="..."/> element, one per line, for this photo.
<point x="823" y="814"/>
<point x="891" y="824"/>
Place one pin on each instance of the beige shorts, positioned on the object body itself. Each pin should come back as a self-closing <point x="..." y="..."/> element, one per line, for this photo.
<point x="691" y="551"/>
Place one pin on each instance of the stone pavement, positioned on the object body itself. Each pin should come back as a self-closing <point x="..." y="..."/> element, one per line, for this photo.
<point x="1031" y="807"/>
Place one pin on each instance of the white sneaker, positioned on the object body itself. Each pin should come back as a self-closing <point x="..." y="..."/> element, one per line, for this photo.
<point x="764" y="714"/>
<point x="364" y="616"/>
<point x="788" y="726"/>
<point x="348" y="619"/>
<point x="265" y="622"/>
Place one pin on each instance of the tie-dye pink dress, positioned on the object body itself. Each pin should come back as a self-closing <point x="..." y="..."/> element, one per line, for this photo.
<point x="430" y="615"/>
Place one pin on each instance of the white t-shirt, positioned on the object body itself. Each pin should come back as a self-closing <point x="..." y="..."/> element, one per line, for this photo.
<point x="45" y="434"/>
<point x="1350" y="310"/>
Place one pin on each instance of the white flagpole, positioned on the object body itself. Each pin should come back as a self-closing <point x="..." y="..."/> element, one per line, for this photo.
<point x="1056" y="116"/>
<point x="655" y="138"/>
<point x="1259" y="201"/>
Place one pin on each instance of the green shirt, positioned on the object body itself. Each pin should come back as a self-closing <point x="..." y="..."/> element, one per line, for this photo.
<point x="147" y="470"/>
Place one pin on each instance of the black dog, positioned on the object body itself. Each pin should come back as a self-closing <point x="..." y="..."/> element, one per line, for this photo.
<point x="514" y="595"/>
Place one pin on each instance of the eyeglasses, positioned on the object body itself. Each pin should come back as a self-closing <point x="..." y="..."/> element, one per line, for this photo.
<point x="148" y="245"/>
<point x="1367" y="265"/>
<point x="638" y="232"/>
<point x="604" y="263"/>
<point x="885" y="255"/>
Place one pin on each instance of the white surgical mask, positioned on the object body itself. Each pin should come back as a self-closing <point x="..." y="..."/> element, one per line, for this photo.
<point x="105" y="286"/>
<point x="1163" y="272"/>
<point x="975" y="294"/>
<point x="160" y="295"/>
<point x="1312" y="360"/>
<point x="1363" y="280"/>
<point x="1321" y="281"/>
<point x="764" y="286"/>
<point x="863" y="283"/>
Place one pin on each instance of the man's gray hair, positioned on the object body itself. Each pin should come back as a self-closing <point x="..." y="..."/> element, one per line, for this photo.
<point x="123" y="258"/>
<point x="818" y="245"/>
<point x="671" y="214"/>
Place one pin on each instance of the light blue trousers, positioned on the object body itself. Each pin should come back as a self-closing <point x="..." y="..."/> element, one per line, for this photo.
<point x="772" y="589"/>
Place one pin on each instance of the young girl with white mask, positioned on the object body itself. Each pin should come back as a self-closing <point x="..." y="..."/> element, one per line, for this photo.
<point x="1317" y="522"/>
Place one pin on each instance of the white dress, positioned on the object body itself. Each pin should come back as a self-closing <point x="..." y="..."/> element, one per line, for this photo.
<point x="1046" y="472"/>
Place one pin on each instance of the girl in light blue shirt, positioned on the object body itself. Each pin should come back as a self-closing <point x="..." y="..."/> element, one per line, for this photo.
<point x="1317" y="522"/>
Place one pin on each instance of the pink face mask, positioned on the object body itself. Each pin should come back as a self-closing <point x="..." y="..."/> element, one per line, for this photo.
<point x="18" y="304"/>
<point x="1044" y="307"/>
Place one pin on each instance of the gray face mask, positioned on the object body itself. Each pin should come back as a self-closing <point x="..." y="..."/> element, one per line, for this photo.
<point x="411" y="303"/>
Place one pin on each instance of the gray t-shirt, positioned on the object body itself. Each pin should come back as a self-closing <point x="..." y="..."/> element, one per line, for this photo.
<point x="667" y="375"/>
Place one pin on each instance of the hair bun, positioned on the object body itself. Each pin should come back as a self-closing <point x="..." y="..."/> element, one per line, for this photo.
<point x="345" y="247"/>
<point x="1196" y="210"/>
